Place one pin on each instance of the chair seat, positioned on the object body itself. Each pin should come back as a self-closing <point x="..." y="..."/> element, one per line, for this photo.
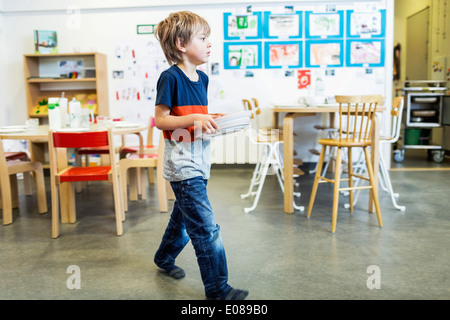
<point x="143" y="156"/>
<point x="96" y="150"/>
<point x="134" y="149"/>
<point x="100" y="173"/>
<point x="344" y="143"/>
<point x="16" y="155"/>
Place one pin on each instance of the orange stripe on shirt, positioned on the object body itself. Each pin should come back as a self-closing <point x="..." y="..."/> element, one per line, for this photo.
<point x="182" y="134"/>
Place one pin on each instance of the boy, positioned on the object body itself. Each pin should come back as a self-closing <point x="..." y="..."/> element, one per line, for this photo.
<point x="181" y="111"/>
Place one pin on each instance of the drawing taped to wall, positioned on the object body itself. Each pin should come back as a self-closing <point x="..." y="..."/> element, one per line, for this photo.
<point x="324" y="53"/>
<point x="136" y="68"/>
<point x="242" y="55"/>
<point x="282" y="25"/>
<point x="245" y="26"/>
<point x="283" y="54"/>
<point x="365" y="53"/>
<point x="366" y="24"/>
<point x="304" y="79"/>
<point x="324" y="25"/>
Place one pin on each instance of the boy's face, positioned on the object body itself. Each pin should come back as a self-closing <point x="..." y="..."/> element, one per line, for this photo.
<point x="198" y="49"/>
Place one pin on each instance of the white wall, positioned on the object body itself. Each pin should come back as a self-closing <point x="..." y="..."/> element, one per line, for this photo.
<point x="104" y="24"/>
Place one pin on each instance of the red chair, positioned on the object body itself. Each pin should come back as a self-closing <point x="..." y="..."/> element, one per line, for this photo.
<point x="61" y="172"/>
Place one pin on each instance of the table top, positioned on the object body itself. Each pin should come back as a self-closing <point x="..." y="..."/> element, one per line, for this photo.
<point x="322" y="108"/>
<point x="41" y="133"/>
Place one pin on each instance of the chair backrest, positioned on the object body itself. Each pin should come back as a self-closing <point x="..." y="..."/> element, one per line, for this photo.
<point x="396" y="118"/>
<point x="356" y="114"/>
<point x="89" y="139"/>
<point x="60" y="141"/>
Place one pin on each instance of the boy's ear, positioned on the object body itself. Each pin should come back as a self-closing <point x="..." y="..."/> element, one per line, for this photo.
<point x="180" y="45"/>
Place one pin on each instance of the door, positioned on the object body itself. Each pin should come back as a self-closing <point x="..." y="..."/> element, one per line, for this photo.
<point x="417" y="29"/>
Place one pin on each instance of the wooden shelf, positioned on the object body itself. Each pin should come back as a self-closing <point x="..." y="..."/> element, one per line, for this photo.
<point x="57" y="80"/>
<point x="39" y="84"/>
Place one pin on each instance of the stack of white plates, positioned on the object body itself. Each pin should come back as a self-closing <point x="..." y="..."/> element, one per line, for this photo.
<point x="231" y="122"/>
<point x="13" y="129"/>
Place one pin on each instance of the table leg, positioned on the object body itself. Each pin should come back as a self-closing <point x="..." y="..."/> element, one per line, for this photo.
<point x="376" y="126"/>
<point x="66" y="196"/>
<point x="288" y="155"/>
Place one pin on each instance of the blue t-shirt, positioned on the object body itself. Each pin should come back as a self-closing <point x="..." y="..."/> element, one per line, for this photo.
<point x="185" y="156"/>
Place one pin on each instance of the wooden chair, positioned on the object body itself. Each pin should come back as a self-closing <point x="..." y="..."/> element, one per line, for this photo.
<point x="149" y="147"/>
<point x="384" y="178"/>
<point x="21" y="155"/>
<point x="10" y="166"/>
<point x="145" y="160"/>
<point x="136" y="181"/>
<point x="356" y="114"/>
<point x="61" y="172"/>
<point x="269" y="140"/>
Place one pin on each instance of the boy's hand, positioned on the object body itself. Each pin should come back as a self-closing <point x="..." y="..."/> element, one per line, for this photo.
<point x="208" y="123"/>
<point x="217" y="115"/>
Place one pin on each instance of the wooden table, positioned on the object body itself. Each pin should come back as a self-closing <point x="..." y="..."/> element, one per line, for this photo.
<point x="39" y="137"/>
<point x="293" y="112"/>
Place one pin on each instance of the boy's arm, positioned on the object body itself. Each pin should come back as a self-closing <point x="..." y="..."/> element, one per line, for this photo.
<point x="165" y="121"/>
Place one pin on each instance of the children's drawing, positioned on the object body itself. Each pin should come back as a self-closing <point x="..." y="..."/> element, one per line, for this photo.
<point x="324" y="53"/>
<point x="247" y="26"/>
<point x="304" y="78"/>
<point x="283" y="25"/>
<point x="284" y="55"/>
<point x="365" y="24"/>
<point x="279" y="54"/>
<point x="365" y="52"/>
<point x="324" y="24"/>
<point x="242" y="55"/>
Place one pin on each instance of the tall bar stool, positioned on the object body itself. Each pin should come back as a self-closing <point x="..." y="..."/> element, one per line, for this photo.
<point x="356" y="115"/>
<point x="269" y="140"/>
<point x="384" y="178"/>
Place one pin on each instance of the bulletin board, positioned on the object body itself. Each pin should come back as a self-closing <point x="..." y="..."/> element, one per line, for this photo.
<point x="305" y="39"/>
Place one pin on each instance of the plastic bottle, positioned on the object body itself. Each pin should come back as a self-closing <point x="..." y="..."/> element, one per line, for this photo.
<point x="75" y="113"/>
<point x="320" y="88"/>
<point x="54" y="114"/>
<point x="63" y="109"/>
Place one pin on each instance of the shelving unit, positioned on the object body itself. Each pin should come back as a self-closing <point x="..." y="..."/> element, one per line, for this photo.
<point x="43" y="80"/>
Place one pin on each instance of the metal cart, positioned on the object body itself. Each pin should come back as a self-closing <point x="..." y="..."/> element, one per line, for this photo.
<point x="423" y="112"/>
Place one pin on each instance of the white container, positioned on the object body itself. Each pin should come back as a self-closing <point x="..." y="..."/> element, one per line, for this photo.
<point x="54" y="114"/>
<point x="63" y="110"/>
<point x="75" y="113"/>
<point x="84" y="118"/>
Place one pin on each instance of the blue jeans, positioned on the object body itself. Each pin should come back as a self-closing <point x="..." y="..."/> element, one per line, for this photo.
<point x="192" y="218"/>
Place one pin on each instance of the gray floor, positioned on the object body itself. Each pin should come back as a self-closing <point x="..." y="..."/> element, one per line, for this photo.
<point x="272" y="254"/>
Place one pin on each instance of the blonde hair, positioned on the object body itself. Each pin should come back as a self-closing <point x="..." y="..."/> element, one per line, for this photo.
<point x="180" y="25"/>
